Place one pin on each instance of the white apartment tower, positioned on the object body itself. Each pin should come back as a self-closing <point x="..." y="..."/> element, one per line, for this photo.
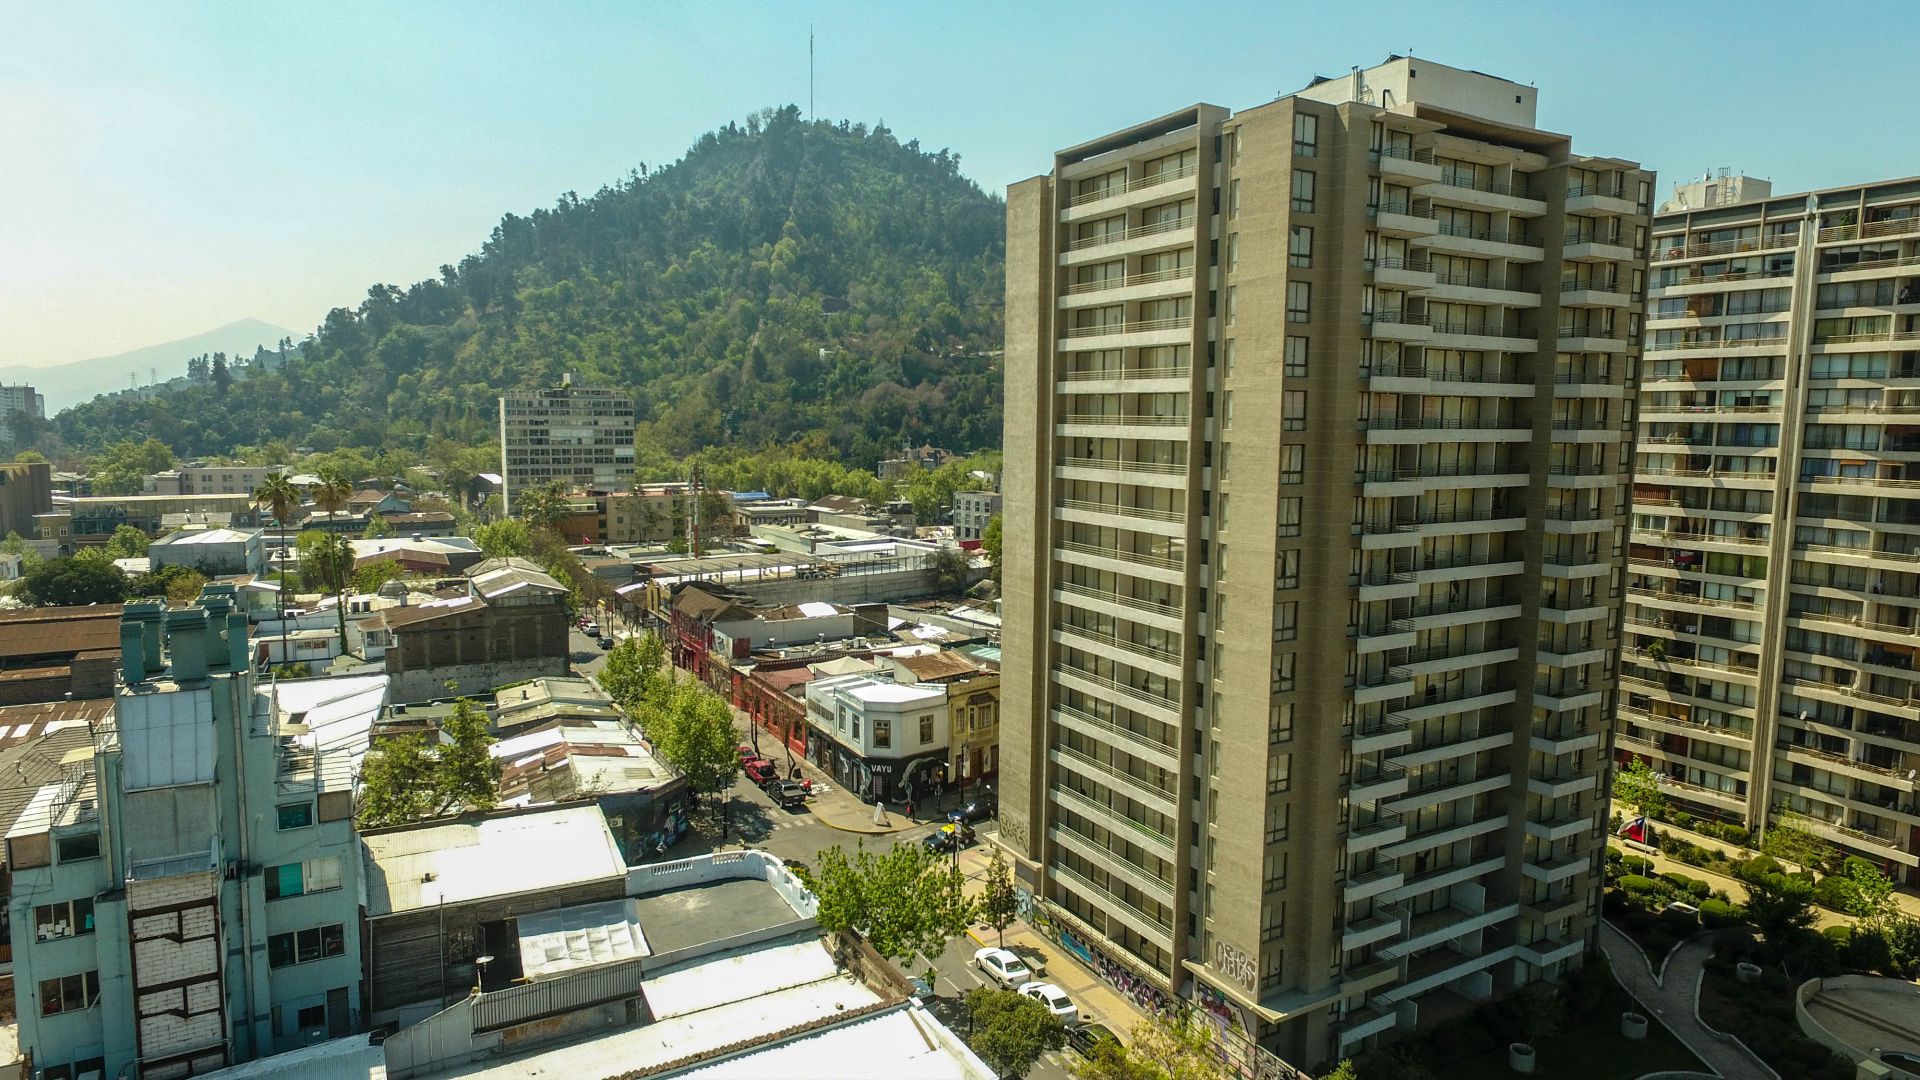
<point x="578" y="435"/>
<point x="1316" y="495"/>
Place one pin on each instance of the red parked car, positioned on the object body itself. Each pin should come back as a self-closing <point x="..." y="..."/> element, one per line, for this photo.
<point x="760" y="770"/>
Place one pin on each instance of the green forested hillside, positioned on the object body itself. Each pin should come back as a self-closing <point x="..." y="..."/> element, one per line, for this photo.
<point x="786" y="282"/>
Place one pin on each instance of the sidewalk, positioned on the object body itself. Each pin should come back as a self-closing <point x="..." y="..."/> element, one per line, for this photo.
<point x="1674" y="1000"/>
<point x="832" y="806"/>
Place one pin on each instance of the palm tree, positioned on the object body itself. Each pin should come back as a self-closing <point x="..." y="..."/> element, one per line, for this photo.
<point x="280" y="498"/>
<point x="333" y="491"/>
<point x="335" y="556"/>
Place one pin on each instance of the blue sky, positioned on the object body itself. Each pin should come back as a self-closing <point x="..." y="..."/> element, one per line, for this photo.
<point x="169" y="167"/>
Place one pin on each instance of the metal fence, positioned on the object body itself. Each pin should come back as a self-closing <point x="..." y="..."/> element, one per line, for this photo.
<point x="561" y="994"/>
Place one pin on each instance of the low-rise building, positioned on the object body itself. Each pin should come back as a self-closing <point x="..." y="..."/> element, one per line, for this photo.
<point x="212" y="552"/>
<point x="912" y="460"/>
<point x="223" y="479"/>
<point x="644" y="800"/>
<point x="973" y="709"/>
<point x="92" y="519"/>
<point x="972" y="511"/>
<point x="511" y="625"/>
<point x="423" y="523"/>
<point x="51" y="653"/>
<point x="879" y="738"/>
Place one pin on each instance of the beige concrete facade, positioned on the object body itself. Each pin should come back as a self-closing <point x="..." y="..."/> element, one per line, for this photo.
<point x="578" y="436"/>
<point x="1332" y="393"/>
<point x="1773" y="588"/>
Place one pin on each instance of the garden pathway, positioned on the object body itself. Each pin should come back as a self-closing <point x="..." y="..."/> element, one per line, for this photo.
<point x="1674" y="1000"/>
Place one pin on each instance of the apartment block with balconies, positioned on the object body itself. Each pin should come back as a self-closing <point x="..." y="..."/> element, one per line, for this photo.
<point x="1773" y="618"/>
<point x="1316" y="492"/>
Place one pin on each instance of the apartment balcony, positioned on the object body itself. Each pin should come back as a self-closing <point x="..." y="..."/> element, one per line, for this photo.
<point x="1135" y="333"/>
<point x="1547" y="951"/>
<point x="1146" y="747"/>
<point x="1373" y="781"/>
<point x="1483" y="243"/>
<point x="1570" y="654"/>
<point x="1440" y="659"/>
<point x="1552" y="911"/>
<point x="1127" y="561"/>
<point x="1445" y="877"/>
<point x="1726" y="800"/>
<point x="1557" y="868"/>
<point x="1653" y="413"/>
<point x="1578" y="247"/>
<point x="1171" y="428"/>
<point x="1446" y="834"/>
<point x="1545" y="740"/>
<point x="1413" y="757"/>
<point x="1437" y="969"/>
<point x="1413" y="430"/>
<point x="1114" y="820"/>
<point x="1118" y="242"/>
<point x="1121" y="471"/>
<point x="1154" y="793"/>
<point x="1436" y="704"/>
<point x="1370" y="883"/>
<point x="1560" y="783"/>
<point x="1128" y="288"/>
<point x="1103" y="201"/>
<point x="1155" y="378"/>
<point x="1387" y="483"/>
<point x="1692" y="729"/>
<point x="1480" y="337"/>
<point x="1147" y="519"/>
<point x="1145" y="702"/>
<point x="1384" y="922"/>
<point x="1679" y="601"/>
<point x="1160" y="613"/>
<point x="1389" y="685"/>
<point x="1102" y="856"/>
<point x="1574" y="616"/>
<point x="1385" y="827"/>
<point x="1415" y="166"/>
<point x="1441" y="614"/>
<point x="1413" y="377"/>
<point x="1863" y="342"/>
<point x="1436" y="523"/>
<point x="1589" y="340"/>
<point x="1568" y="385"/>
<point x="1400" y="326"/>
<point x="1574" y="566"/>
<point x="1382" y="637"/>
<point x="1446" y="924"/>
<point x="1375" y="734"/>
<point x="1880" y="847"/>
<point x="1599" y="199"/>
<point x="1448" y="785"/>
<point x="1718" y="347"/>
<point x="1886" y="776"/>
<point x="1568" y="695"/>
<point x="1846" y="694"/>
<point x="1160" y="661"/>
<point x="1485" y="289"/>
<point x="1404" y="221"/>
<point x="1563" y="825"/>
<point x="1413" y="276"/>
<point x="1142" y="922"/>
<point x="1494" y="196"/>
<point x="1372" y="975"/>
<point x="1579" y="520"/>
<point x="1725" y="247"/>
<point x="1886" y="560"/>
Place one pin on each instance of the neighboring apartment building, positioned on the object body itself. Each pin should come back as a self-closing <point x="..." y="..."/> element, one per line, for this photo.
<point x="880" y="739"/>
<point x="1773" y="591"/>
<point x="222" y="479"/>
<point x="972" y="511"/>
<point x="581" y="436"/>
<point x="186" y="895"/>
<point x="19" y="399"/>
<point x="1326" y="396"/>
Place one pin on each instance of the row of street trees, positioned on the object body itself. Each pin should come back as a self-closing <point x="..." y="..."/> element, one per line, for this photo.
<point x="690" y="725"/>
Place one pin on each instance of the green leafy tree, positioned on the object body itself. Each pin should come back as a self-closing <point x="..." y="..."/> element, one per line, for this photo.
<point x="1790" y="840"/>
<point x="326" y="559"/>
<point x="950" y="570"/>
<point x="542" y="506"/>
<point x="999" y="903"/>
<point x="123" y="467"/>
<point x="1778" y="903"/>
<point x="466" y="774"/>
<point x="1176" y="1046"/>
<point x="377" y="528"/>
<point x="503" y="538"/>
<point x="906" y="901"/>
<point x="127" y="542"/>
<point x="1343" y="1071"/>
<point x="333" y="491"/>
<point x="990" y="543"/>
<point x="1872" y="899"/>
<point x="69" y="582"/>
<point x="1011" y="1031"/>
<point x="693" y="729"/>
<point x="1636" y="785"/>
<point x="632" y="674"/>
<point x="369" y="578"/>
<point x="397" y="782"/>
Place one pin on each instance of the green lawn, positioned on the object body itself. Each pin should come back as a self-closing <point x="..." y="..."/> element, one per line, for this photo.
<point x="1593" y="1051"/>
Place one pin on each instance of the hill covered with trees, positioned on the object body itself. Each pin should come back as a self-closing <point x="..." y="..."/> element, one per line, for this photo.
<point x="787" y="283"/>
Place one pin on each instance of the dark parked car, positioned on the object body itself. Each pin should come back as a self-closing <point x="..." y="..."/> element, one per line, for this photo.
<point x="789" y="793"/>
<point x="1087" y="1036"/>
<point x="606" y="642"/>
<point x="979" y="809"/>
<point x="760" y="770"/>
<point x="947" y="837"/>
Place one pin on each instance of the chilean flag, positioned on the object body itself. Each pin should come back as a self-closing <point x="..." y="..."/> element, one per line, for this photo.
<point x="1635" y="829"/>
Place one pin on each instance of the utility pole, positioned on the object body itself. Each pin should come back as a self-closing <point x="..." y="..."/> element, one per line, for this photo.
<point x="693" y="511"/>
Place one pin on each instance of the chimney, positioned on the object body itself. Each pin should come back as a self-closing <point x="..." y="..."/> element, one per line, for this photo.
<point x="187" y="642"/>
<point x="216" y="607"/>
<point x="133" y="658"/>
<point x="145" y="614"/>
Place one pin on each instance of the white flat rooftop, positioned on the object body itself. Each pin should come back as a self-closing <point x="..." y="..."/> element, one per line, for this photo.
<point x="411" y="869"/>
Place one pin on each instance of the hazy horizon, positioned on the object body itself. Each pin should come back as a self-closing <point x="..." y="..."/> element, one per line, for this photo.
<point x="181" y="168"/>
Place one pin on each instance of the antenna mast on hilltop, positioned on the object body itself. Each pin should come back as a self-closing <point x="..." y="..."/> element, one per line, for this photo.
<point x="809" y="71"/>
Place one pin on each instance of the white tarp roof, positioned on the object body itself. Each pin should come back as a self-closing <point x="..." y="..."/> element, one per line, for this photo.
<point x="580" y="936"/>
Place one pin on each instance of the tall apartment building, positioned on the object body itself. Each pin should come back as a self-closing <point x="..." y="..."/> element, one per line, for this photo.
<point x="186" y="895"/>
<point x="581" y="436"/>
<point x="1773" y="588"/>
<point x="1330" y="392"/>
<point x="19" y="399"/>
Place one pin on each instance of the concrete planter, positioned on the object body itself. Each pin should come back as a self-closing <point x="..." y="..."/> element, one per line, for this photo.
<point x="1747" y="972"/>
<point x="1520" y="1058"/>
<point x="1633" y="1025"/>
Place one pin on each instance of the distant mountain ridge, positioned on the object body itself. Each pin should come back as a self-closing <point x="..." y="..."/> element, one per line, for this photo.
<point x="787" y="282"/>
<point x="69" y="384"/>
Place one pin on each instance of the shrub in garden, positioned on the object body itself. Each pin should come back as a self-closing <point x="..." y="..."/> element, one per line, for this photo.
<point x="1614" y="903"/>
<point x="1638" y="886"/>
<point x="1690" y="885"/>
<point x="1836" y="892"/>
<point x="1683" y="820"/>
<point x="1717" y="914"/>
<point x="1679" y="923"/>
<point x="1757" y="866"/>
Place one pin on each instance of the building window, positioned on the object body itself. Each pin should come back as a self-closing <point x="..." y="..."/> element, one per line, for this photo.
<point x="855" y="718"/>
<point x="1303" y="191"/>
<point x="306" y="946"/>
<point x="926" y="730"/>
<point x="1233" y="252"/>
<point x="1279" y="821"/>
<point x="1280" y="723"/>
<point x="1279" y="773"/>
<point x="1286" y="569"/>
<point x="68" y="918"/>
<point x="311" y="1016"/>
<point x="1283" y="673"/>
<point x="301" y="878"/>
<point x="1306" y="134"/>
<point x="297" y="815"/>
<point x="1289" y="517"/>
<point x="1233" y="304"/>
<point x="1286" y="620"/>
<point x="1274" y="871"/>
<point x="69" y="993"/>
<point x="1295" y="357"/>
<point x="1293" y="463"/>
<point x="882" y="732"/>
<point x="77" y="848"/>
<point x="1233" y="200"/>
<point x="1293" y="410"/>
<point x="1299" y="301"/>
<point x="1300" y="247"/>
<point x="84" y="1069"/>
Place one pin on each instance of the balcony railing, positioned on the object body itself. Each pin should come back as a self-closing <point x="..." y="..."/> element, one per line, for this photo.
<point x="1124" y="419"/>
<point x="1126" y="734"/>
<point x="1145" y="697"/>
<point x="1406" y="369"/>
<point x="1135" y="647"/>
<point x="1109" y="769"/>
<point x="1122" y="281"/>
<point x="1434" y="423"/>
<point x="1404" y="153"/>
<point x="1116" y="235"/>
<point x="1166" y="176"/>
<point x="1163" y="371"/>
<point x="1121" y="510"/>
<point x="1109" y="814"/>
<point x="1484" y="281"/>
<point x="1842" y="759"/>
<point x="1109" y="897"/>
<point x="1156" y="606"/>
<point x="1727" y="247"/>
<point x="1491" y="187"/>
<point x="1138" y="326"/>
<point x="1157" y="467"/>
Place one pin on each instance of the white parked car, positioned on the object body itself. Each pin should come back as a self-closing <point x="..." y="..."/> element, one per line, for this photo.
<point x="1002" y="968"/>
<point x="1056" y="1001"/>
